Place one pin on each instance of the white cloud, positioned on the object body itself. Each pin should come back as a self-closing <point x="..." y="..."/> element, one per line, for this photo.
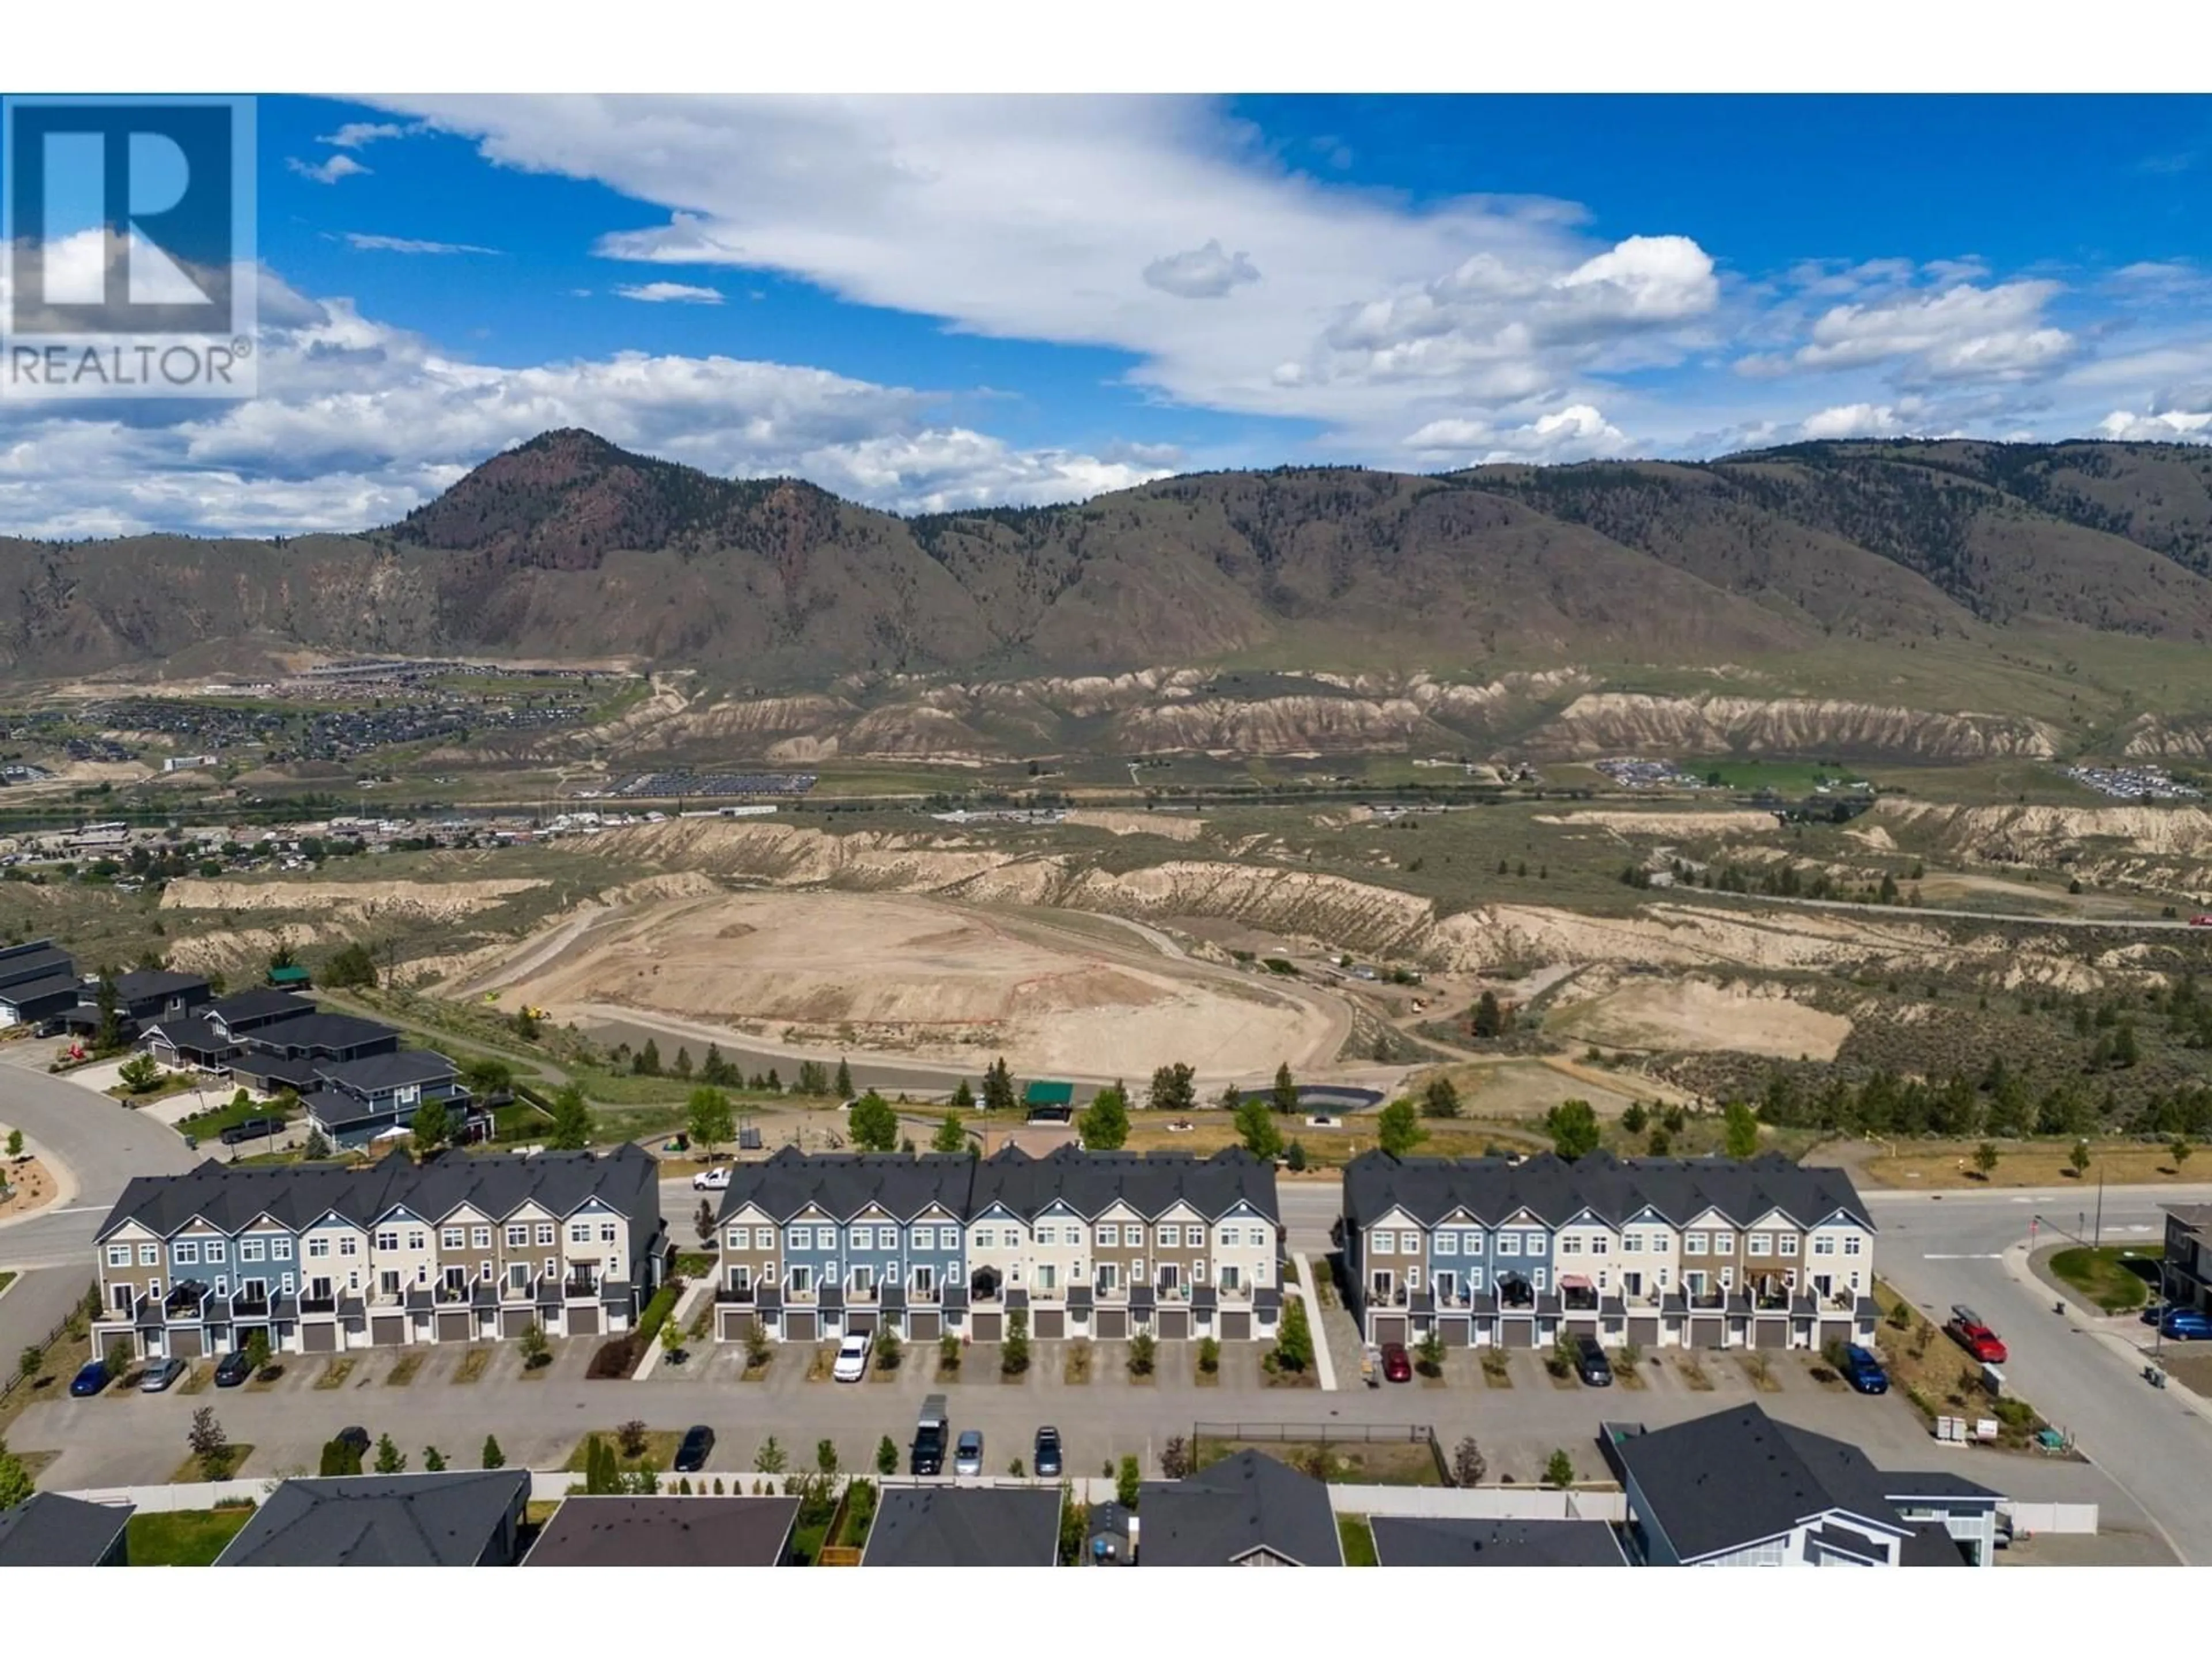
<point x="1959" y="333"/>
<point x="2174" y="426"/>
<point x="356" y="134"/>
<point x="1852" y="421"/>
<point x="328" y="171"/>
<point x="1371" y="316"/>
<point x="359" y="422"/>
<point x="1201" y="273"/>
<point x="669" y="293"/>
<point x="1578" y="432"/>
<point x="370" y="242"/>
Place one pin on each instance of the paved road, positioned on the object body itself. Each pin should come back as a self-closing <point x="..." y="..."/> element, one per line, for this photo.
<point x="100" y="1144"/>
<point x="114" y="1440"/>
<point x="2080" y="1372"/>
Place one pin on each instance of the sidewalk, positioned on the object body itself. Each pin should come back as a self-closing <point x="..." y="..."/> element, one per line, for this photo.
<point x="680" y="1317"/>
<point x="2115" y="1332"/>
<point x="1315" y="1323"/>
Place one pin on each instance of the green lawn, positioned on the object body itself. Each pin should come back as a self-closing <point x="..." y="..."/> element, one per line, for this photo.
<point x="2105" y="1276"/>
<point x="6" y="1279"/>
<point x="184" y="1538"/>
<point x="209" y="1124"/>
<point x="1358" y="1540"/>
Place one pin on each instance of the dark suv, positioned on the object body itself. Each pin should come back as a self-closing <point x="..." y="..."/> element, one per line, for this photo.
<point x="1048" y="1452"/>
<point x="1591" y="1364"/>
<point x="252" y="1129"/>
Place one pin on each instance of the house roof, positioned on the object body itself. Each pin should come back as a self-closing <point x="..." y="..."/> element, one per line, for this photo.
<point x="193" y="1031"/>
<point x="1411" y="1542"/>
<point x="1045" y="1092"/>
<point x="965" y="1527"/>
<point x="260" y="1004"/>
<point x="138" y="986"/>
<point x="905" y="1185"/>
<point x="1233" y="1509"/>
<point x="380" y="1520"/>
<point x="1722" y="1482"/>
<point x="50" y="1530"/>
<point x="231" y="1195"/>
<point x="1899" y="1484"/>
<point x="393" y="1071"/>
<point x="1929" y="1544"/>
<point x="36" y="961"/>
<point x="36" y="990"/>
<point x="2195" y="1216"/>
<point x="319" y="1030"/>
<point x="1613" y="1189"/>
<point x="1151" y="1183"/>
<point x="667" y="1532"/>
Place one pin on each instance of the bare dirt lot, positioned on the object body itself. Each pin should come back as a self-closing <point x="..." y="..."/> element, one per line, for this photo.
<point x="902" y="974"/>
<point x="1696" y="1014"/>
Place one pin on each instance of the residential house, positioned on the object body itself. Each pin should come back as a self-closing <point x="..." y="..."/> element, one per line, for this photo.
<point x="351" y="1103"/>
<point x="210" y="1036"/>
<point x="320" y="1257"/>
<point x="1660" y="1252"/>
<point x="1247" y="1510"/>
<point x="667" y="1532"/>
<point x="1081" y="1244"/>
<point x="1405" y="1541"/>
<point x="471" y="1519"/>
<point x="50" y="1530"/>
<point x="37" y="981"/>
<point x="1738" y="1489"/>
<point x="152" y="995"/>
<point x="965" y="1527"/>
<point x="2187" y="1270"/>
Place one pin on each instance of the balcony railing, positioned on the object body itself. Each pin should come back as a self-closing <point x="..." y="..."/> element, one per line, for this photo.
<point x="735" y="1296"/>
<point x="253" y="1306"/>
<point x="1709" y="1301"/>
<point x="579" y="1290"/>
<point x="319" y="1304"/>
<point x="1578" y="1301"/>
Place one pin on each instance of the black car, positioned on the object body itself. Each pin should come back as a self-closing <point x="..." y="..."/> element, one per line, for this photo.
<point x="354" y="1436"/>
<point x="698" y="1443"/>
<point x="252" y="1129"/>
<point x="1591" y="1364"/>
<point x="1047" y="1451"/>
<point x="235" y="1370"/>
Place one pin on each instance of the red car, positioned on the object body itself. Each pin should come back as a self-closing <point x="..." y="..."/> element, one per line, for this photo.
<point x="2201" y="921"/>
<point x="1397" y="1367"/>
<point x="1966" y="1328"/>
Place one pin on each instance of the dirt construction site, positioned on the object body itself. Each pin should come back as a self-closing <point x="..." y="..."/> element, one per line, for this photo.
<point x="923" y="979"/>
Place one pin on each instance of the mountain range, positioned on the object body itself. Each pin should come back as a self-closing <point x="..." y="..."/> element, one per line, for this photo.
<point x="568" y="545"/>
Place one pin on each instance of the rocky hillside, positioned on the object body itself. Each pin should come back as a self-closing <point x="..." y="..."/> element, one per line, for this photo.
<point x="569" y="546"/>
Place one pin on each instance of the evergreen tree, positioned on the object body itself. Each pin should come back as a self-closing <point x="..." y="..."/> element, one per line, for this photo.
<point x="1284" y="1096"/>
<point x="572" y="1120"/>
<point x="1173" y="1090"/>
<point x="844" y="1080"/>
<point x="433" y="1128"/>
<point x="998" y="1087"/>
<point x="1104" y="1124"/>
<point x="950" y="1136"/>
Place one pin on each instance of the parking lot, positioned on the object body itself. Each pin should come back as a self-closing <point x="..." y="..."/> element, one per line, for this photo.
<point x="442" y="1397"/>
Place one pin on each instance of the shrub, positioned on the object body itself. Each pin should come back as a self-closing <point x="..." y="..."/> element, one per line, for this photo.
<point x="1209" y="1355"/>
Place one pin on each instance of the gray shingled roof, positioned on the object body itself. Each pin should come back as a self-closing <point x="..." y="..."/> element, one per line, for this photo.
<point x="39" y="960"/>
<point x="380" y="1520"/>
<point x="965" y="1527"/>
<point x="258" y="1004"/>
<point x="231" y="1195"/>
<point x="1616" y="1189"/>
<point x="319" y="1030"/>
<point x="1151" y="1183"/>
<point x="1729" y="1479"/>
<point x="393" y="1071"/>
<point x="844" y="1184"/>
<point x="137" y="986"/>
<point x="1420" y="1541"/>
<point x="49" y="1530"/>
<point x="665" y="1532"/>
<point x="37" y="990"/>
<point x="1229" y="1510"/>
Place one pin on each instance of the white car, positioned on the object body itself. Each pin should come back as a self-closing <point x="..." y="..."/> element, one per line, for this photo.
<point x="711" y="1181"/>
<point x="852" y="1358"/>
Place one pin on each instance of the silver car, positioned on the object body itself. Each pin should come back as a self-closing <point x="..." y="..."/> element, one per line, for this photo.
<point x="159" y="1374"/>
<point x="968" y="1455"/>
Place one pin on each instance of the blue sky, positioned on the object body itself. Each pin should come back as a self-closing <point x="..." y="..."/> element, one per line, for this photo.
<point x="937" y="302"/>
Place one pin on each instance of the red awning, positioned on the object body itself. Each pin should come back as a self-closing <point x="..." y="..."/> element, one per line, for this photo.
<point x="1573" y="1282"/>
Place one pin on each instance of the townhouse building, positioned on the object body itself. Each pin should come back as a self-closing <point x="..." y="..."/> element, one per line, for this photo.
<point x="1084" y="1244"/>
<point x="320" y="1257"/>
<point x="1707" y="1253"/>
